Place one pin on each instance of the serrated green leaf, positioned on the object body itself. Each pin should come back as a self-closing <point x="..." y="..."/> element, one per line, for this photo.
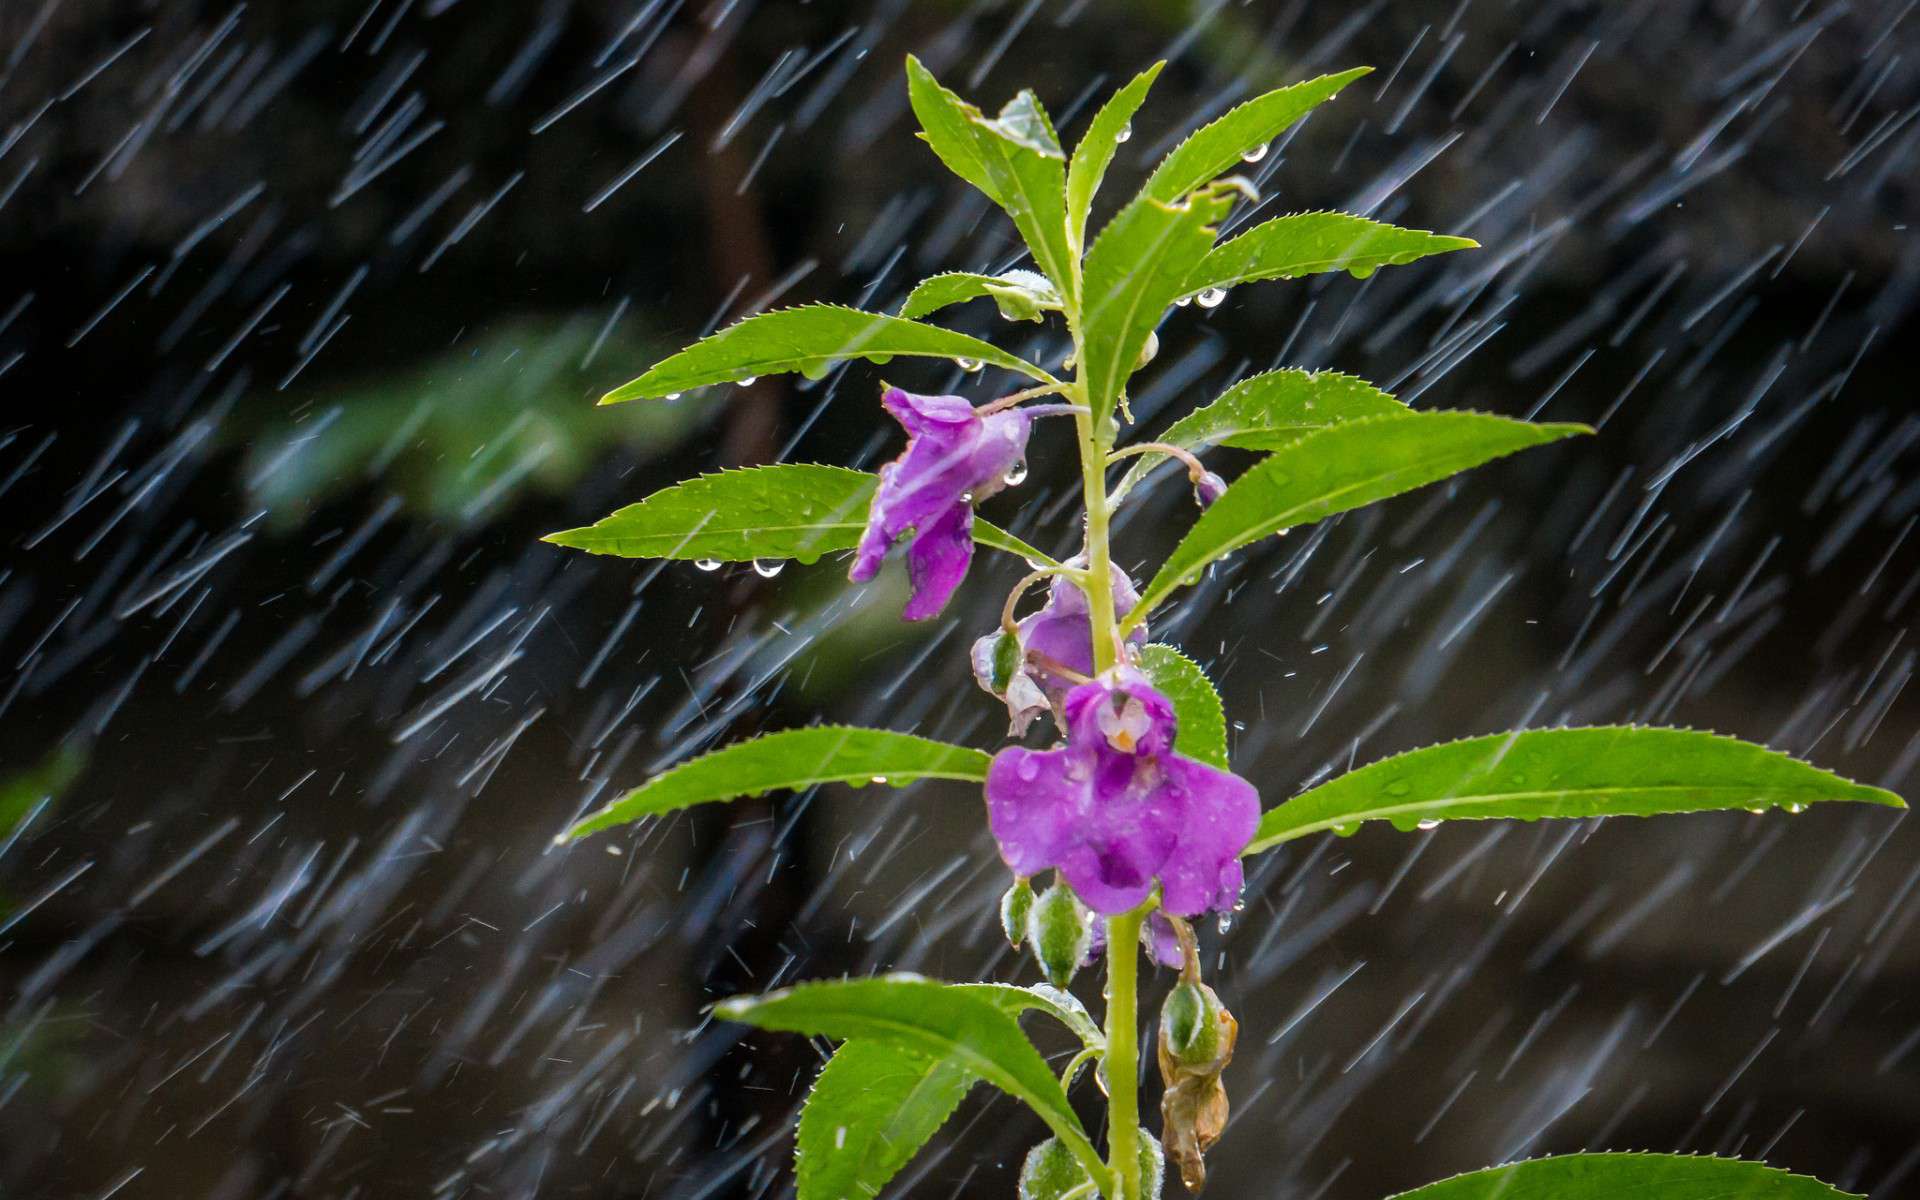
<point x="1589" y="772"/>
<point x="1614" y="1176"/>
<point x="955" y="1024"/>
<point x="1216" y="147"/>
<point x="790" y="759"/>
<point x="1202" y="733"/>
<point x="1096" y="148"/>
<point x="1061" y="1005"/>
<point x="1021" y="295"/>
<point x="946" y="122"/>
<point x="872" y="1108"/>
<point x="1338" y="468"/>
<point x="809" y="339"/>
<point x="1022" y="157"/>
<point x="1266" y="411"/>
<point x="788" y="510"/>
<point x="1309" y="243"/>
<point x="1137" y="267"/>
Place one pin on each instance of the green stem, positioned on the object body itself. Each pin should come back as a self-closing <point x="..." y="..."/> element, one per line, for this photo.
<point x="1123" y="1054"/>
<point x="1099" y="579"/>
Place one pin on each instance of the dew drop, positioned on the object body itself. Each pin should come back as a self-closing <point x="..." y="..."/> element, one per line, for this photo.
<point x="1347" y="830"/>
<point x="671" y="396"/>
<point x="707" y="564"/>
<point x="1360" y="272"/>
<point x="1796" y="808"/>
<point x="1016" y="474"/>
<point x="1211" y="297"/>
<point x="1398" y="788"/>
<point x="1183" y="301"/>
<point x="968" y="365"/>
<point x="1256" y="154"/>
<point x="767" y="568"/>
<point x="749" y="381"/>
<point x="1429" y="823"/>
<point x="1124" y="132"/>
<point x="879" y="778"/>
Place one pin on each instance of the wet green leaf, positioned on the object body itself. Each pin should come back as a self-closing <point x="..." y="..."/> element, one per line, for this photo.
<point x="1021" y="295"/>
<point x="1097" y="146"/>
<point x="789" y="510"/>
<point x="1309" y="243"/>
<point x="1589" y="772"/>
<point x="872" y="1108"/>
<point x="1266" y="411"/>
<point x="790" y="759"/>
<point x="1136" y="268"/>
<point x="1202" y="733"/>
<point x="1022" y="157"/>
<point x="1217" y="147"/>
<point x="1619" y="1176"/>
<point x="808" y="339"/>
<point x="1338" y="468"/>
<point x="942" y="1022"/>
<point x="946" y="123"/>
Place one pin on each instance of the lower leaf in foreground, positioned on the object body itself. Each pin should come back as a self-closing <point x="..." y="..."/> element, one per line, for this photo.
<point x="873" y="1107"/>
<point x="1594" y="772"/>
<point x="1615" y="1176"/>
<point x="956" y="1024"/>
<point x="792" y="758"/>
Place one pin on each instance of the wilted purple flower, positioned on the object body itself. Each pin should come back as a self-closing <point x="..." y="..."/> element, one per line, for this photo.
<point x="1060" y="634"/>
<point x="954" y="458"/>
<point x="1115" y="809"/>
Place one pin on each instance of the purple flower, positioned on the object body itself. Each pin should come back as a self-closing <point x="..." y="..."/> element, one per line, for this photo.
<point x="1157" y="937"/>
<point x="1115" y="809"/>
<point x="954" y="458"/>
<point x="1059" y="635"/>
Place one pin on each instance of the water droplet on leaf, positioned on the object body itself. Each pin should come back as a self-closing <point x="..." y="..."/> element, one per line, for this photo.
<point x="1256" y="154"/>
<point x="767" y="568"/>
<point x="1124" y="132"/>
<point x="707" y="564"/>
<point x="1016" y="474"/>
<point x="1211" y="297"/>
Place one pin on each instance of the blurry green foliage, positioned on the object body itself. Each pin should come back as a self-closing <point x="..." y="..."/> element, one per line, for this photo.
<point x="461" y="434"/>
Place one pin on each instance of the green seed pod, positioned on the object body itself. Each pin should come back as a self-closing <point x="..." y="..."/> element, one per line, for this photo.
<point x="1050" y="1172"/>
<point x="1015" y="907"/>
<point x="1061" y="929"/>
<point x="1190" y="1024"/>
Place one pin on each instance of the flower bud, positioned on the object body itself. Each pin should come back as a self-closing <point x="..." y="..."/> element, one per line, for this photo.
<point x="1197" y="1034"/>
<point x="1208" y="487"/>
<point x="1190" y="1024"/>
<point x="1062" y="932"/>
<point x="1015" y="907"/>
<point x="1051" y="1171"/>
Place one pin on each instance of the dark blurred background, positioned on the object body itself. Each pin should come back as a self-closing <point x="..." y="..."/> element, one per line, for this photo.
<point x="303" y="307"/>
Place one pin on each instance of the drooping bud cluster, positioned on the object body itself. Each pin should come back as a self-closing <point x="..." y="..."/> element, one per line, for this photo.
<point x="1197" y="1036"/>
<point x="1061" y="930"/>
